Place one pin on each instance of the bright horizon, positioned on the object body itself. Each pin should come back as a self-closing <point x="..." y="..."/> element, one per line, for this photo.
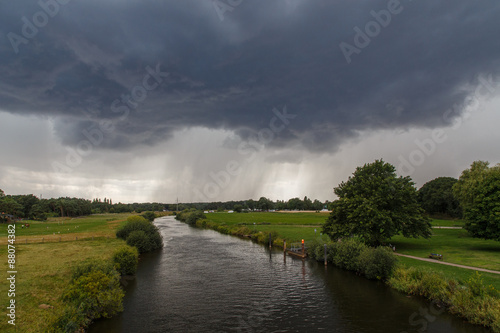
<point x="150" y="102"/>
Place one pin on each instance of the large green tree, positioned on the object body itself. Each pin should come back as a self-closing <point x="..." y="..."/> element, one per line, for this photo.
<point x="478" y="191"/>
<point x="374" y="205"/>
<point x="436" y="197"/>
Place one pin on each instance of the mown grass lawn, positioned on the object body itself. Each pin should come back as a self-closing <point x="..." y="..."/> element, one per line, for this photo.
<point x="455" y="245"/>
<point x="457" y="273"/>
<point x="274" y="218"/>
<point x="447" y="223"/>
<point x="292" y="227"/>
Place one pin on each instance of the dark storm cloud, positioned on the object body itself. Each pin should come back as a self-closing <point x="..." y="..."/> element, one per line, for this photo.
<point x="83" y="61"/>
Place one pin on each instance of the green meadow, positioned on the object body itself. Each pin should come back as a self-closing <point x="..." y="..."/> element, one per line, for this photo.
<point x="44" y="269"/>
<point x="66" y="228"/>
<point x="455" y="245"/>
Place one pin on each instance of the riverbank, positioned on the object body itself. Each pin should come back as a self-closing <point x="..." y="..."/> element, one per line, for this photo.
<point x="261" y="226"/>
<point x="45" y="269"/>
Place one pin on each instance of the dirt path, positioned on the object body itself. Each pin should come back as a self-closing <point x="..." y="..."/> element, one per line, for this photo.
<point x="448" y="263"/>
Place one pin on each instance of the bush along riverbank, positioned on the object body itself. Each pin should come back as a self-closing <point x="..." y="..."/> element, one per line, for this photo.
<point x="469" y="299"/>
<point x="94" y="290"/>
<point x="196" y="218"/>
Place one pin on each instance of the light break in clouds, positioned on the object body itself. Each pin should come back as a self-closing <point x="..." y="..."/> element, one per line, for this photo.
<point x="222" y="100"/>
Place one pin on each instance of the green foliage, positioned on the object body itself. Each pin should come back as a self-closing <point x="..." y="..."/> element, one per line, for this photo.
<point x="473" y="301"/>
<point x="72" y="320"/>
<point x="375" y="205"/>
<point x="190" y="216"/>
<point x="436" y="197"/>
<point x="347" y="254"/>
<point x="99" y="294"/>
<point x="92" y="265"/>
<point x="478" y="190"/>
<point x="374" y="263"/>
<point x="94" y="292"/>
<point x="141" y="233"/>
<point x="126" y="259"/>
<point x="150" y="216"/>
<point x="377" y="263"/>
<point x="140" y="240"/>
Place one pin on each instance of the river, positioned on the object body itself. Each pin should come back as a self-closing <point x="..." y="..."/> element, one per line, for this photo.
<point x="203" y="281"/>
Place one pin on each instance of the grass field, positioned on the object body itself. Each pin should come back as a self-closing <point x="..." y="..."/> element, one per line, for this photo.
<point x="276" y="218"/>
<point x="43" y="270"/>
<point x="460" y="274"/>
<point x="66" y="228"/>
<point x="454" y="244"/>
<point x="447" y="223"/>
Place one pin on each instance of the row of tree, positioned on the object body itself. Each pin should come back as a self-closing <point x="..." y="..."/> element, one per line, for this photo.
<point x="375" y="204"/>
<point x="31" y="207"/>
<point x="263" y="204"/>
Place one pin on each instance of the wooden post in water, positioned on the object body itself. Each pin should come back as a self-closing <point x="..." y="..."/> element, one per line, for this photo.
<point x="270" y="241"/>
<point x="303" y="249"/>
<point x="284" y="246"/>
<point x="325" y="255"/>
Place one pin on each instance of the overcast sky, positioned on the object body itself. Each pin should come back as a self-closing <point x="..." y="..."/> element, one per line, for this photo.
<point x="235" y="99"/>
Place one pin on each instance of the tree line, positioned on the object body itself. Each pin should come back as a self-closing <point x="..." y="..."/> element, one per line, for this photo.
<point x="375" y="204"/>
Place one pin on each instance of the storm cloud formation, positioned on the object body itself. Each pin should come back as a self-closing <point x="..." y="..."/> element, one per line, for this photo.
<point x="141" y="70"/>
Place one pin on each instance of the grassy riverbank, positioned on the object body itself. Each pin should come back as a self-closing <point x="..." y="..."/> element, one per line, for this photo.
<point x="455" y="244"/>
<point x="44" y="269"/>
<point x="462" y="291"/>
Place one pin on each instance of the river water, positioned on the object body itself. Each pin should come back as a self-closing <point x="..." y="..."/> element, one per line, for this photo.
<point x="203" y="281"/>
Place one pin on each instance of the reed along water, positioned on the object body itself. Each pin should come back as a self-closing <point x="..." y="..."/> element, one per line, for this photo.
<point x="203" y="281"/>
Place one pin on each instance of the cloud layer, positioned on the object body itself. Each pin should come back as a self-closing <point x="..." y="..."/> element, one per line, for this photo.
<point x="151" y="68"/>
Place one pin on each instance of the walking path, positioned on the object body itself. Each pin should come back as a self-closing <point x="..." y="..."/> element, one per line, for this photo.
<point x="448" y="263"/>
<point x="437" y="227"/>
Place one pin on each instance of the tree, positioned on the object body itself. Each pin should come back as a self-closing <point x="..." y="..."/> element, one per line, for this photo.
<point x="374" y="204"/>
<point x="478" y="191"/>
<point x="238" y="208"/>
<point x="10" y="206"/>
<point x="436" y="197"/>
<point x="265" y="204"/>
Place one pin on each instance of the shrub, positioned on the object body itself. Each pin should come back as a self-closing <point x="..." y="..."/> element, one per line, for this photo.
<point x="150" y="241"/>
<point x="150" y="216"/>
<point x="347" y="254"/>
<point x="125" y="259"/>
<point x="195" y="216"/>
<point x="94" y="292"/>
<point x="91" y="265"/>
<point x="97" y="294"/>
<point x="377" y="263"/>
<point x="140" y="240"/>
<point x="72" y="320"/>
